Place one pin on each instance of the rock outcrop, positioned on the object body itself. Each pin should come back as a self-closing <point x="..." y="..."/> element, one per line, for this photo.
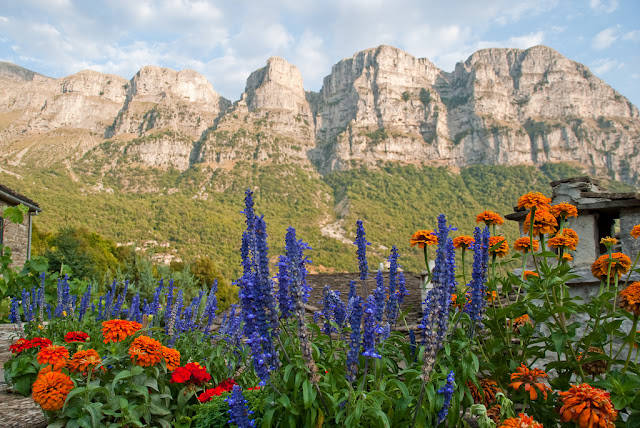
<point x="500" y="106"/>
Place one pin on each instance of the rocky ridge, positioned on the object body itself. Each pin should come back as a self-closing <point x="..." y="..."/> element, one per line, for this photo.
<point x="500" y="106"/>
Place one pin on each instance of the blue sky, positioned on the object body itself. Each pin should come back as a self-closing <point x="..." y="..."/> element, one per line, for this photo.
<point x="227" y="40"/>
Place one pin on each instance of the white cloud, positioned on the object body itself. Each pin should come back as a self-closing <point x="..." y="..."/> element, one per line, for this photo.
<point x="605" y="38"/>
<point x="600" y="6"/>
<point x="605" y="65"/>
<point x="632" y="35"/>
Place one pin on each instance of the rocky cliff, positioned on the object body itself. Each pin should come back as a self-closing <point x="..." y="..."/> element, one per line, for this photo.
<point x="500" y="106"/>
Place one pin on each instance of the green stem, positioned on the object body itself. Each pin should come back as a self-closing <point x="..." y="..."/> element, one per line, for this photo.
<point x="524" y="265"/>
<point x="631" y="342"/>
<point x="464" y="276"/>
<point x="533" y="254"/>
<point x="426" y="262"/>
<point x="611" y="312"/>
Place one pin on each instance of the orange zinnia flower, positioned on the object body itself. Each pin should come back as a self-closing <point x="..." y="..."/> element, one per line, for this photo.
<point x="171" y="357"/>
<point x="520" y="321"/>
<point x="524" y="244"/>
<point x="635" y="231"/>
<point x="529" y="378"/>
<point x="620" y="264"/>
<point x="630" y="298"/>
<point x="486" y="394"/>
<point x="567" y="257"/>
<point x="55" y="355"/>
<point x="522" y="421"/>
<point x="562" y="240"/>
<point x="534" y="199"/>
<point x="587" y="407"/>
<point x="423" y="237"/>
<point x="82" y="360"/>
<point x="543" y="222"/>
<point x="464" y="241"/>
<point x="489" y="218"/>
<point x="502" y="249"/>
<point x="119" y="330"/>
<point x="564" y="210"/>
<point x="50" y="390"/>
<point x="145" y="351"/>
<point x="529" y="274"/>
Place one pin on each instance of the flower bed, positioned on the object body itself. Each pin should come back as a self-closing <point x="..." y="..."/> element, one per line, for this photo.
<point x="478" y="353"/>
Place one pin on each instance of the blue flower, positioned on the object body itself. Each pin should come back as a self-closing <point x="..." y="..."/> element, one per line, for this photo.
<point x="239" y="413"/>
<point x="362" y="243"/>
<point x="26" y="307"/>
<point x="447" y="391"/>
<point x="285" y="303"/>
<point x="134" y="308"/>
<point x="355" y="320"/>
<point x="155" y="303"/>
<point x="352" y="290"/>
<point x="84" y="303"/>
<point x="379" y="297"/>
<point x="211" y="305"/>
<point x="14" y="314"/>
<point x="369" y="329"/>
<point x="476" y="304"/>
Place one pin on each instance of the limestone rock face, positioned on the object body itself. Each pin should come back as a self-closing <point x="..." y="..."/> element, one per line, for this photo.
<point x="501" y="106"/>
<point x="271" y="122"/>
<point x="159" y="98"/>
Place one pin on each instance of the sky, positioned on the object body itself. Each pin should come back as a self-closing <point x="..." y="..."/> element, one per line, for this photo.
<point x="226" y="40"/>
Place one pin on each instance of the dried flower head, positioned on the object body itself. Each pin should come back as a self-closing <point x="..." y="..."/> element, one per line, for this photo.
<point x="423" y="237"/>
<point x="486" y="394"/>
<point x="463" y="242"/>
<point x="620" y="264"/>
<point x="145" y="351"/>
<point x="630" y="298"/>
<point x="587" y="407"/>
<point x="523" y="244"/>
<point x="523" y="376"/>
<point x="522" y="421"/>
<point x="502" y="249"/>
<point x="534" y="199"/>
<point x="82" y="360"/>
<point x="119" y="330"/>
<point x="567" y="257"/>
<point x="489" y="218"/>
<point x="543" y="222"/>
<point x="171" y="357"/>
<point x="563" y="210"/>
<point x="520" y="321"/>
<point x="55" y="355"/>
<point x="50" y="389"/>
<point x="596" y="366"/>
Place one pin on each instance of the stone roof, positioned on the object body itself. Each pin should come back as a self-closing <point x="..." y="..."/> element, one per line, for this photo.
<point x="587" y="194"/>
<point x="13" y="197"/>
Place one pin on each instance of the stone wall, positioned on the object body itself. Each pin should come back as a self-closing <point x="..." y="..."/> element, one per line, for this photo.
<point x="16" y="237"/>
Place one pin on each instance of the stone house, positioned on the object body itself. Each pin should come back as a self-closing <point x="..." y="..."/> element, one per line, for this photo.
<point x="600" y="213"/>
<point x="17" y="236"/>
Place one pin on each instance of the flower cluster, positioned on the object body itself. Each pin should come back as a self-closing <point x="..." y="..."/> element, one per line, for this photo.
<point x="361" y="242"/>
<point x="523" y="376"/>
<point x="534" y="200"/>
<point x="23" y="344"/>
<point x="587" y="406"/>
<point x="630" y="298"/>
<point x="171" y="357"/>
<point x="239" y="414"/>
<point x="486" y="394"/>
<point x="564" y="210"/>
<point x="498" y="246"/>
<point x="192" y="373"/>
<point x="522" y="421"/>
<point x="447" y="392"/>
<point x="423" y="237"/>
<point x="76" y="336"/>
<point x="463" y="242"/>
<point x="119" y="330"/>
<point x="620" y="264"/>
<point x="489" y="218"/>
<point x="543" y="222"/>
<point x="523" y="245"/>
<point x="55" y="355"/>
<point x="50" y="389"/>
<point x="145" y="351"/>
<point x="224" y="386"/>
<point x="82" y="360"/>
<point x="477" y="289"/>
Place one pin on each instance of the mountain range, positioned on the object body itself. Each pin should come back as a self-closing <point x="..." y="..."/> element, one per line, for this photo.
<point x="162" y="159"/>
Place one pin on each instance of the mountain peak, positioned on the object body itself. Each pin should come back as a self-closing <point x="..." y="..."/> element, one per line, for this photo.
<point x="278" y="85"/>
<point x="13" y="71"/>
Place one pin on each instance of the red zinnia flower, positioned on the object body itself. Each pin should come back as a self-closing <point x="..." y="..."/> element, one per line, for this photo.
<point x="76" y="336"/>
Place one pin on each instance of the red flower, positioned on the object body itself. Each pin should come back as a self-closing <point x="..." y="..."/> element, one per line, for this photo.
<point x="24" y="344"/>
<point x="210" y="393"/>
<point x="255" y="388"/>
<point x="191" y="372"/>
<point x="227" y="384"/>
<point x="76" y="336"/>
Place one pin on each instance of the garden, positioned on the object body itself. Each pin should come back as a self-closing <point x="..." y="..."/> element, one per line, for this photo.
<point x="495" y="347"/>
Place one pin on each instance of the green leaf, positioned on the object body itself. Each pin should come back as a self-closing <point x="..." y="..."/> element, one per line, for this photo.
<point x="307" y="393"/>
<point x="15" y="214"/>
